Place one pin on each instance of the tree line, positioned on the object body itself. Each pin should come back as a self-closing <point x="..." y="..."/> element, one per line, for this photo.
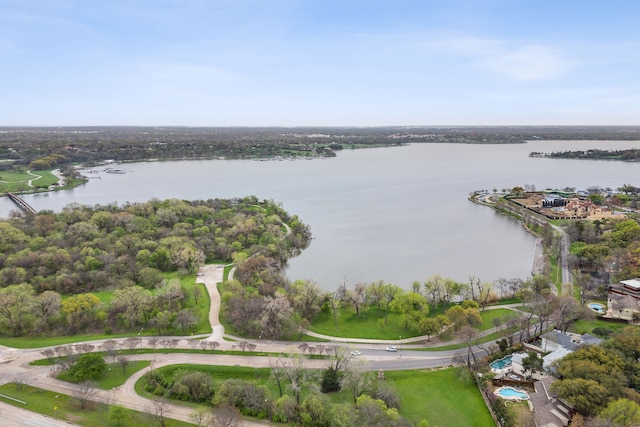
<point x="23" y="146"/>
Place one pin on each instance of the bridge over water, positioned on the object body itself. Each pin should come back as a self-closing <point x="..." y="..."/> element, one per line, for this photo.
<point x="22" y="204"/>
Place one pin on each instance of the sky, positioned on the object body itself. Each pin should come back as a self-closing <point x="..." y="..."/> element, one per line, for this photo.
<point x="319" y="62"/>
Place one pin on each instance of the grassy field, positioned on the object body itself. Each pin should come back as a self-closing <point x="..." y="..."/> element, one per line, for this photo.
<point x="66" y="408"/>
<point x="19" y="181"/>
<point x="435" y="395"/>
<point x="115" y="375"/>
<point x="370" y="324"/>
<point x="489" y="315"/>
<point x="439" y="397"/>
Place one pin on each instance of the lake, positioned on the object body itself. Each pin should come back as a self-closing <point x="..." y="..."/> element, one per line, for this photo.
<point x="397" y="214"/>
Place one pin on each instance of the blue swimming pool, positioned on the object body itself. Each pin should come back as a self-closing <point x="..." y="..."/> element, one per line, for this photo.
<point x="599" y="308"/>
<point x="512" y="393"/>
<point x="501" y="363"/>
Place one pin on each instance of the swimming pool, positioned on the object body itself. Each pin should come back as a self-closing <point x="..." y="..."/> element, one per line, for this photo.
<point x="501" y="364"/>
<point x="597" y="307"/>
<point x="510" y="393"/>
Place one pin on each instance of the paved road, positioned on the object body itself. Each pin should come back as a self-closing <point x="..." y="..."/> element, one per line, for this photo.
<point x="567" y="277"/>
<point x="13" y="416"/>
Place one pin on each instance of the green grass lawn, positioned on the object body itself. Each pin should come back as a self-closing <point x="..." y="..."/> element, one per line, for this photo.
<point x="489" y="315"/>
<point x="18" y="181"/>
<point x="440" y="398"/>
<point x="369" y="325"/>
<point x="115" y="375"/>
<point x="66" y="408"/>
<point x="587" y="326"/>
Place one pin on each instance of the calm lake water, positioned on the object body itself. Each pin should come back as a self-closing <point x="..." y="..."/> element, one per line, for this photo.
<point x="398" y="214"/>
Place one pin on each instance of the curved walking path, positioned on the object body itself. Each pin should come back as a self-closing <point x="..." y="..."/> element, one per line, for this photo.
<point x="210" y="275"/>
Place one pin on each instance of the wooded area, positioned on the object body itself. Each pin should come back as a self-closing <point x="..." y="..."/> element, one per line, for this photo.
<point x="51" y="264"/>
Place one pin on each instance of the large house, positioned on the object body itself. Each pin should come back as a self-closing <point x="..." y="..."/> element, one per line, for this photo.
<point x="623" y="300"/>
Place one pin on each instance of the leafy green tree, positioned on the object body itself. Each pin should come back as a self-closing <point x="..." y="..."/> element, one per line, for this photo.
<point x="79" y="310"/>
<point x="118" y="414"/>
<point x="89" y="366"/>
<point x="532" y="363"/>
<point x="622" y="413"/>
<point x="314" y="411"/>
<point x="16" y="302"/>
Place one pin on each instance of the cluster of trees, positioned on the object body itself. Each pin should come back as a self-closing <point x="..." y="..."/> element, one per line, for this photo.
<point x="301" y="396"/>
<point x="50" y="263"/>
<point x="627" y="155"/>
<point x="47" y="162"/>
<point x="602" y="381"/>
<point x="599" y="245"/>
<point x="169" y="308"/>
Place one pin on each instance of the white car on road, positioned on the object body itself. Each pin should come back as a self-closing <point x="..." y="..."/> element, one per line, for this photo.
<point x="392" y="348"/>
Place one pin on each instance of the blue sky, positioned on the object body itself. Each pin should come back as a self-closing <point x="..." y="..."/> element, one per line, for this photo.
<point x="319" y="62"/>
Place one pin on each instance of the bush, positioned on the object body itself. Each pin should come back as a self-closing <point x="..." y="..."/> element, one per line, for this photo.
<point x="330" y="381"/>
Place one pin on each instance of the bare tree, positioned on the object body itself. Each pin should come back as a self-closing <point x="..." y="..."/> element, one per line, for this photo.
<point x="132" y="342"/>
<point x="153" y="343"/>
<point x="340" y="358"/>
<point x="192" y="343"/>
<point x="278" y="372"/>
<point x="123" y="362"/>
<point x="298" y="375"/>
<point x="173" y="343"/>
<point x="201" y="416"/>
<point x="225" y="415"/>
<point x="251" y="346"/>
<point x="48" y="353"/>
<point x="159" y="410"/>
<point x="213" y="345"/>
<point x="468" y="334"/>
<point x="204" y="344"/>
<point x="84" y="392"/>
<point x="356" y="381"/>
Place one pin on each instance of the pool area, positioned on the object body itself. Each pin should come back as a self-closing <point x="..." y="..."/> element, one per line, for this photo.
<point x="510" y="393"/>
<point x="501" y="364"/>
<point x="597" y="307"/>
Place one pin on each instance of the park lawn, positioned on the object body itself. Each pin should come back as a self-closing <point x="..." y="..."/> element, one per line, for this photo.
<point x="18" y="181"/>
<point x="439" y="397"/>
<point x="114" y="377"/>
<point x="64" y="407"/>
<point x="369" y="325"/>
<point x="489" y="315"/>
<point x="39" y="342"/>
